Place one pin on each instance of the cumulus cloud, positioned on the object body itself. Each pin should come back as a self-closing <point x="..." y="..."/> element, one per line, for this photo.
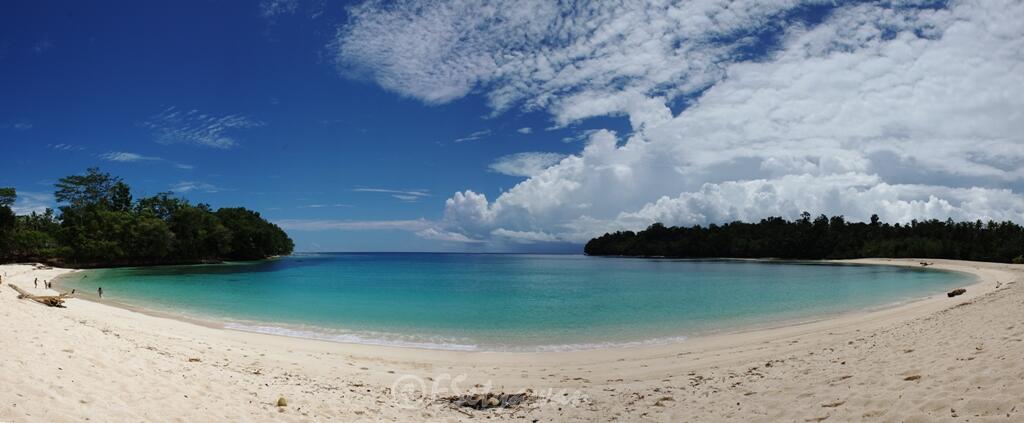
<point x="526" y="130"/>
<point x="886" y="107"/>
<point x="525" y="164"/>
<point x="29" y="202"/>
<point x="574" y="59"/>
<point x="173" y="126"/>
<point x="524" y="237"/>
<point x="443" y="235"/>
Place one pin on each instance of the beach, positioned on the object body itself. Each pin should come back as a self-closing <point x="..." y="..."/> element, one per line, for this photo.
<point x="934" y="359"/>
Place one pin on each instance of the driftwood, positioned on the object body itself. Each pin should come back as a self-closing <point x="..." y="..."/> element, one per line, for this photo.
<point x="955" y="292"/>
<point x="50" y="300"/>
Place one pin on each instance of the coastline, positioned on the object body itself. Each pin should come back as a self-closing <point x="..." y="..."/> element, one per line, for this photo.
<point x="400" y="341"/>
<point x="239" y="372"/>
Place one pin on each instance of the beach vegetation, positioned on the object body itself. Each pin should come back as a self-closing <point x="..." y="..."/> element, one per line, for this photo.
<point x="822" y="237"/>
<point x="98" y="223"/>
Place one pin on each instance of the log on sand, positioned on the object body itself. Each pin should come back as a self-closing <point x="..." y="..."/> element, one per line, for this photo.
<point x="50" y="300"/>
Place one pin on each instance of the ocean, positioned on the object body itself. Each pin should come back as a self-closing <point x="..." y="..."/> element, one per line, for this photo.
<point x="508" y="302"/>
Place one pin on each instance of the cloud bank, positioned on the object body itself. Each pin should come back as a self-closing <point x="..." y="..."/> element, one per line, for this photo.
<point x="907" y="109"/>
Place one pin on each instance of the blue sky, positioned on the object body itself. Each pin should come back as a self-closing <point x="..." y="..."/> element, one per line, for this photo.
<point x="81" y="81"/>
<point x="463" y="126"/>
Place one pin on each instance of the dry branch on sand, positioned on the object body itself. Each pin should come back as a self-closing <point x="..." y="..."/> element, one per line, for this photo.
<point x="50" y="300"/>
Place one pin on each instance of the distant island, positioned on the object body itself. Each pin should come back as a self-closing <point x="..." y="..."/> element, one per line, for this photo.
<point x="100" y="225"/>
<point x="821" y="238"/>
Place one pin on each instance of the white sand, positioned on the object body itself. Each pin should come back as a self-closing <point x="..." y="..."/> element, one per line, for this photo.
<point x="95" y="362"/>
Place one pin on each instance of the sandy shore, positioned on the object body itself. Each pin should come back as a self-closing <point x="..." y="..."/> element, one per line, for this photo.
<point x="936" y="359"/>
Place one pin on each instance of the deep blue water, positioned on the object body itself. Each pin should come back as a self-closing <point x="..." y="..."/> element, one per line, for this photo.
<point x="507" y="302"/>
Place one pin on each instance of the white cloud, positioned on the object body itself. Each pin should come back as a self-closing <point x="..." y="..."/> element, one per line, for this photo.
<point x="473" y="137"/>
<point x="173" y="126"/>
<point x="121" y="156"/>
<point x="547" y="54"/>
<point x="190" y="186"/>
<point x="65" y="147"/>
<point x="414" y="225"/>
<point x="404" y="195"/>
<point x="902" y="111"/>
<point x="525" y="164"/>
<point x="524" y="237"/>
<point x="525" y="130"/>
<point x="271" y="9"/>
<point x="126" y="157"/>
<point x="29" y="202"/>
<point x="420" y="227"/>
<point x="18" y="125"/>
<point x="442" y="235"/>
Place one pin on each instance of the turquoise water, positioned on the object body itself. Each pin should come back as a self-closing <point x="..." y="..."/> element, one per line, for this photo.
<point x="507" y="302"/>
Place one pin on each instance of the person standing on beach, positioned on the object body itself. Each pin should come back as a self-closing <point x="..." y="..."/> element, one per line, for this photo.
<point x="36" y="282"/>
<point x="100" y="291"/>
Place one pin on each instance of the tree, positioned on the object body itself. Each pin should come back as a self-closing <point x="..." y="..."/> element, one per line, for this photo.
<point x="120" y="197"/>
<point x="251" y="236"/>
<point x="161" y="206"/>
<point x="7" y="220"/>
<point x="101" y="225"/>
<point x="7" y="197"/>
<point x="92" y="188"/>
<point x="821" y="238"/>
<point x="199" y="235"/>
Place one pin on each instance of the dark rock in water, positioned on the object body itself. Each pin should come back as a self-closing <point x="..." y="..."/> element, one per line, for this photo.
<point x="955" y="292"/>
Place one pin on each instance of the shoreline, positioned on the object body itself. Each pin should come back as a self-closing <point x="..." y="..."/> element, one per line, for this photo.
<point x="323" y="335"/>
<point x="915" y="361"/>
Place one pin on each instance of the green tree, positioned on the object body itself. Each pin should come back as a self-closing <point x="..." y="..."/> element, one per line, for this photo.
<point x="100" y="224"/>
<point x="92" y="188"/>
<point x="252" y="237"/>
<point x="7" y="197"/>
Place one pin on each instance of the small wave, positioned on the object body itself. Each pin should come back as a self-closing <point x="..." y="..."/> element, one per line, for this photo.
<point x="352" y="338"/>
<point x="392" y="340"/>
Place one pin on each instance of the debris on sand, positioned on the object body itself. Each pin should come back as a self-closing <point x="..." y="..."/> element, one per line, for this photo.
<point x="48" y="300"/>
<point x="955" y="292"/>
<point x="488" y="400"/>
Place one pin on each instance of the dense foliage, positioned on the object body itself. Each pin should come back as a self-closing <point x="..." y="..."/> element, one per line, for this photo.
<point x="821" y="238"/>
<point x="99" y="224"/>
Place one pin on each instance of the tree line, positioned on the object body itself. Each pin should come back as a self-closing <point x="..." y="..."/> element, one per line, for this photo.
<point x="821" y="238"/>
<point x="99" y="224"/>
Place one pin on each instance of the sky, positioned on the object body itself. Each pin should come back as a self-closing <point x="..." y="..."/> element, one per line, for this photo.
<point x="521" y="126"/>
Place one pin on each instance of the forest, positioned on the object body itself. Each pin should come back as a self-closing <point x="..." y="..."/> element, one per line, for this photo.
<point x="99" y="224"/>
<point x="821" y="238"/>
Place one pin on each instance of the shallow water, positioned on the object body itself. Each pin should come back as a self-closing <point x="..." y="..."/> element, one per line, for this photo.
<point x="507" y="302"/>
